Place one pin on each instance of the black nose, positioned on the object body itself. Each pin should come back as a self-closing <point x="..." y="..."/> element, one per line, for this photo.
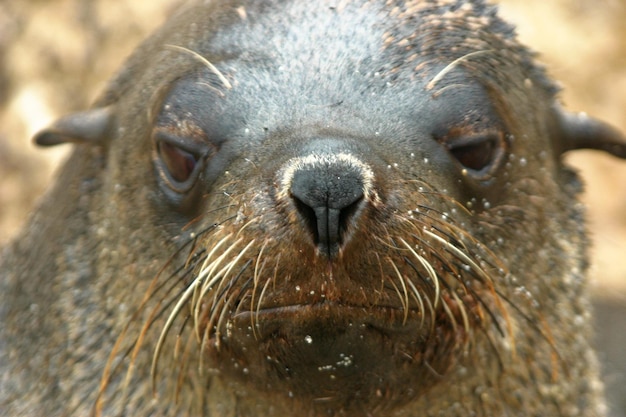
<point x="328" y="195"/>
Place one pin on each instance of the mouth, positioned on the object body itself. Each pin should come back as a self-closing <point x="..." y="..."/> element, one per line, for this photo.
<point x="307" y="338"/>
<point x="332" y="317"/>
<point x="330" y="348"/>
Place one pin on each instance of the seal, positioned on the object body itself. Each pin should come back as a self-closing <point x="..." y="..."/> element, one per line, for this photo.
<point x="346" y="208"/>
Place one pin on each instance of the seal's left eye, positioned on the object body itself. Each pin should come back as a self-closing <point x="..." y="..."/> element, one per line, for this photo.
<point x="475" y="153"/>
<point x="478" y="152"/>
<point x="178" y="161"/>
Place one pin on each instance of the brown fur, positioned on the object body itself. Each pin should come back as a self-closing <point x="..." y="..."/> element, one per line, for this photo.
<point x="456" y="281"/>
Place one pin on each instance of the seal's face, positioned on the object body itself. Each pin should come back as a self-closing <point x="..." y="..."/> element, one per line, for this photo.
<point x="346" y="188"/>
<point x="327" y="188"/>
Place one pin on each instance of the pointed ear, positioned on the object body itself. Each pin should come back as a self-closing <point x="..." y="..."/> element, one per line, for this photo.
<point x="88" y="127"/>
<point x="579" y="131"/>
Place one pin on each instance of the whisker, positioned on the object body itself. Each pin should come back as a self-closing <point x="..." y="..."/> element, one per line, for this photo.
<point x="218" y="303"/>
<point x="178" y="336"/>
<point x="206" y="279"/>
<point x="461" y="306"/>
<point x="460" y="254"/>
<point x="429" y="270"/>
<point x="404" y="300"/>
<point x="205" y="61"/>
<point x="258" y="269"/>
<point x="222" y="275"/>
<point x="486" y="308"/>
<point x="450" y="315"/>
<point x="418" y="298"/>
<point x="453" y="65"/>
<point x="153" y="289"/>
<point x="432" y="314"/>
<point x="168" y="324"/>
<point x="222" y="316"/>
<point x="258" y="309"/>
<point x="184" y="365"/>
<point x="212" y="316"/>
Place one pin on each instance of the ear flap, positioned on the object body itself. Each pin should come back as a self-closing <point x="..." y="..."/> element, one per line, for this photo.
<point x="88" y="127"/>
<point x="579" y="131"/>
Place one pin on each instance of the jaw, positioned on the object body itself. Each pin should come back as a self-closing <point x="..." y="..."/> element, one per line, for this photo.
<point x="337" y="356"/>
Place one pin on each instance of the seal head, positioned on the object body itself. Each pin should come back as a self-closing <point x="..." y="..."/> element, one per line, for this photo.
<point x="360" y="210"/>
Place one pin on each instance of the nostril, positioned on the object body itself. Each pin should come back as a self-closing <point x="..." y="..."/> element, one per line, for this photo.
<point x="308" y="216"/>
<point x="327" y="199"/>
<point x="348" y="213"/>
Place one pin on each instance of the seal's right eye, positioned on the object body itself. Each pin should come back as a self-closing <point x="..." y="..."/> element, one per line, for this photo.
<point x="179" y="161"/>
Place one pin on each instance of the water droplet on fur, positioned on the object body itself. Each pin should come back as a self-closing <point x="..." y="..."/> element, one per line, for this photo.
<point x="308" y="339"/>
<point x="523" y="162"/>
<point x="345" y="360"/>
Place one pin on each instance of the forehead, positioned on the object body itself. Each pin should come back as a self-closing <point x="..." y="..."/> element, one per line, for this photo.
<point x="388" y="43"/>
<point x="331" y="51"/>
<point x="393" y="38"/>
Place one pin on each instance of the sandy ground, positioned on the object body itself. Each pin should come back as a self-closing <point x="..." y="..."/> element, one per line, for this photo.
<point x="55" y="56"/>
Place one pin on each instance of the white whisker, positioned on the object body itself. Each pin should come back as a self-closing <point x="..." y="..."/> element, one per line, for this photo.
<point x="404" y="300"/>
<point x="453" y="65"/>
<point x="432" y="274"/>
<point x="205" y="61"/>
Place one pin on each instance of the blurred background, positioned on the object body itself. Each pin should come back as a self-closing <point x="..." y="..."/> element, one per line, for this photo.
<point x="56" y="55"/>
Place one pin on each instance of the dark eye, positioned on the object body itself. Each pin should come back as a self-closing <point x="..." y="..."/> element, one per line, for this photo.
<point x="179" y="161"/>
<point x="475" y="153"/>
<point x="479" y="154"/>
